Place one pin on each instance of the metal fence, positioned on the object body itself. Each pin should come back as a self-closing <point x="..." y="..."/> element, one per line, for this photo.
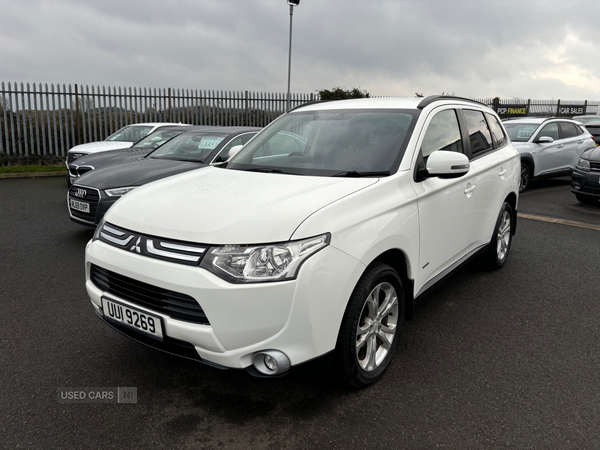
<point x="46" y="121"/>
<point x="38" y="120"/>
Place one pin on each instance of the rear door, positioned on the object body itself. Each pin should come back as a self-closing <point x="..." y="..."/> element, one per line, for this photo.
<point x="574" y="143"/>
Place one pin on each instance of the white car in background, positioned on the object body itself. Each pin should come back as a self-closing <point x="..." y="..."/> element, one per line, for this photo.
<point x="123" y="138"/>
<point x="549" y="147"/>
<point x="301" y="247"/>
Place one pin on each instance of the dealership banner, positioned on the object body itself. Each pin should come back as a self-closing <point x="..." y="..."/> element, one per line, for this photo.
<point x="571" y="110"/>
<point x="505" y="111"/>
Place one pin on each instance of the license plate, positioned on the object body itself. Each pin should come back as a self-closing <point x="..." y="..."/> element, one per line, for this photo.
<point x="80" y="206"/>
<point x="134" y="318"/>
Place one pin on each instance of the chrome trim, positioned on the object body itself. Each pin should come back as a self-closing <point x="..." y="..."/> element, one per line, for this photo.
<point x="183" y="248"/>
<point x="154" y="251"/>
<point x="113" y="231"/>
<point x="114" y="240"/>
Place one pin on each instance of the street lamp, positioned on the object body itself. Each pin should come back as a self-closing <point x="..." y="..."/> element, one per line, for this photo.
<point x="292" y="3"/>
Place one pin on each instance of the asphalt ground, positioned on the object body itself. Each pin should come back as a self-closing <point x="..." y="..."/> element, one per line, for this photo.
<point x="505" y="359"/>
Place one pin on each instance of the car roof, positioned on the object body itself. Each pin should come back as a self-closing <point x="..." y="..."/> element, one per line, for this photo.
<point x="387" y="103"/>
<point x="535" y="120"/>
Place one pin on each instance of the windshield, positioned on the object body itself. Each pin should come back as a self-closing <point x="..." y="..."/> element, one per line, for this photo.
<point x="520" y="132"/>
<point x="330" y="143"/>
<point x="130" y="133"/>
<point x="158" y="138"/>
<point x="195" y="147"/>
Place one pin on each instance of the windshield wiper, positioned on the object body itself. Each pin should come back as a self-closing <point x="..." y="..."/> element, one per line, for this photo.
<point x="355" y="174"/>
<point x="265" y="170"/>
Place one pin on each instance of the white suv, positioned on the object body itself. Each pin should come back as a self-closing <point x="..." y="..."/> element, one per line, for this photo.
<point x="549" y="147"/>
<point x="321" y="243"/>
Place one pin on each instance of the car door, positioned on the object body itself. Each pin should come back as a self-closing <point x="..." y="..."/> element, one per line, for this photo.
<point x="446" y="205"/>
<point x="576" y="142"/>
<point x="495" y="163"/>
<point x="548" y="156"/>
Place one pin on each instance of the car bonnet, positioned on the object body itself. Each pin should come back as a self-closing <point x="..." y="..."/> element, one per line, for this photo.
<point x="222" y="206"/>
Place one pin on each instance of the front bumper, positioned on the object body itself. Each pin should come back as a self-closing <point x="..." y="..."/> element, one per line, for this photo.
<point x="300" y="317"/>
<point x="587" y="183"/>
<point x="99" y="204"/>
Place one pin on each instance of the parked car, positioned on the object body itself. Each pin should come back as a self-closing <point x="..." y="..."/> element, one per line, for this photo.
<point x="587" y="118"/>
<point x="110" y="158"/>
<point x="549" y="147"/>
<point x="302" y="247"/>
<point x="585" y="183"/>
<point x="123" y="138"/>
<point x="94" y="192"/>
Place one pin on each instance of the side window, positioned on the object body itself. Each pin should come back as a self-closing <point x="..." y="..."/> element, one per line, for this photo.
<point x="498" y="136"/>
<point x="284" y="144"/>
<point x="238" y="140"/>
<point x="567" y="130"/>
<point x="479" y="133"/>
<point x="442" y="133"/>
<point x="550" y="130"/>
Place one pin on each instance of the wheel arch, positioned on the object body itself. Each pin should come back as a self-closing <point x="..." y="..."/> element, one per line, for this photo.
<point x="397" y="260"/>
<point x="511" y="199"/>
<point x="528" y="159"/>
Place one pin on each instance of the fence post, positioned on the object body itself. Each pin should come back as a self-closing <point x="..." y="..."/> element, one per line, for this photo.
<point x="528" y="107"/>
<point x="246" y="108"/>
<point x="585" y="108"/>
<point x="557" y="107"/>
<point x="170" y="111"/>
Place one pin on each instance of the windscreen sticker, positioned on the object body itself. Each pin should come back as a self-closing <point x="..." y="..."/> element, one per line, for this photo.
<point x="210" y="142"/>
<point x="525" y="132"/>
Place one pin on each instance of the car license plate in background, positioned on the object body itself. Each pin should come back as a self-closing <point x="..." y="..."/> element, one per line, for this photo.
<point x="133" y="318"/>
<point x="80" y="206"/>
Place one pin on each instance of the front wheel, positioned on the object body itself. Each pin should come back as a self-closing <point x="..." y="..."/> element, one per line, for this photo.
<point x="371" y="326"/>
<point x="525" y="176"/>
<point x="501" y="239"/>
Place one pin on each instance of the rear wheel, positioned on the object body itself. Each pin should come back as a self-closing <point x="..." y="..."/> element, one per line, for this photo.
<point x="501" y="239"/>
<point x="587" y="199"/>
<point x="371" y="326"/>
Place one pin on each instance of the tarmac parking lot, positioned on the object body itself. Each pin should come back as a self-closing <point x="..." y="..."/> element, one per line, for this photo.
<point x="508" y="359"/>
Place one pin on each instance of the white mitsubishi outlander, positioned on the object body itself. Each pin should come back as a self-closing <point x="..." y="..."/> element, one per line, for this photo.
<point x="319" y="236"/>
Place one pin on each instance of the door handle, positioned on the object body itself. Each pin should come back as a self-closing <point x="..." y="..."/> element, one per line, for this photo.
<point x="502" y="173"/>
<point x="469" y="190"/>
<point x="560" y="146"/>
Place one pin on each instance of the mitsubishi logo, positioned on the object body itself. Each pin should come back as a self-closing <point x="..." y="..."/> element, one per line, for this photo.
<point x="81" y="193"/>
<point x="136" y="247"/>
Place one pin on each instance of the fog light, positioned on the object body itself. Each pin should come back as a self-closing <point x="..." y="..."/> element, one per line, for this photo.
<point x="270" y="363"/>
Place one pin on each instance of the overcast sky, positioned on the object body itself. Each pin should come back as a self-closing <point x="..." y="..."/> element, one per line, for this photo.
<point x="512" y="48"/>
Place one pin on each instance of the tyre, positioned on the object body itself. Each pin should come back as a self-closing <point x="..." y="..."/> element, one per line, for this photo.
<point x="525" y="176"/>
<point x="587" y="199"/>
<point x="371" y="326"/>
<point x="501" y="238"/>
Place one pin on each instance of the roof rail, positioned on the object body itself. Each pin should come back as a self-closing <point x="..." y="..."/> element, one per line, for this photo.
<point x="314" y="102"/>
<point x="434" y="98"/>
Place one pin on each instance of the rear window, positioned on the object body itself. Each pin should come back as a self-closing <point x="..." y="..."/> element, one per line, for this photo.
<point x="520" y="132"/>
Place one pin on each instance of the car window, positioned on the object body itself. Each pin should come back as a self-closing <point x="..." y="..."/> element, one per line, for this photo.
<point x="443" y="133"/>
<point x="238" y="140"/>
<point x="520" y="132"/>
<point x="568" y="130"/>
<point x="189" y="147"/>
<point x="130" y="133"/>
<point x="498" y="136"/>
<point x="550" y="130"/>
<point x="479" y="133"/>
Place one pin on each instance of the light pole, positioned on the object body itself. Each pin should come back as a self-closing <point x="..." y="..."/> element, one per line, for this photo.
<point x="292" y="3"/>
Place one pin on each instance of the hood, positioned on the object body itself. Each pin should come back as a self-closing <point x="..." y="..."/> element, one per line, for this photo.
<point x="135" y="173"/>
<point x="112" y="157"/>
<point x="224" y="206"/>
<point x="592" y="154"/>
<point x="102" y="146"/>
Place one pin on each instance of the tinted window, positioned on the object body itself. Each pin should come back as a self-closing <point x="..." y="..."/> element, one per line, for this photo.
<point x="550" y="130"/>
<point x="567" y="130"/>
<point x="479" y="134"/>
<point x="442" y="133"/>
<point x="498" y="136"/>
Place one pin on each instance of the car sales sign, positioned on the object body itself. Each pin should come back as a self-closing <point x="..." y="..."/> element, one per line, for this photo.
<point x="519" y="110"/>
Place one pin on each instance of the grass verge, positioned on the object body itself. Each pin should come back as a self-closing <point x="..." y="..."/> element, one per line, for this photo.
<point x="32" y="169"/>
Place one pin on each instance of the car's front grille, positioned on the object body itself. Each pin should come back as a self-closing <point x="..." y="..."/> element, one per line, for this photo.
<point x="179" y="252"/>
<point x="87" y="195"/>
<point x="173" y="304"/>
<point x="73" y="170"/>
<point x="595" y="166"/>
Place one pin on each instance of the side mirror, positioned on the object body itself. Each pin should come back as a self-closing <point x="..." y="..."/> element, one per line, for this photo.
<point x="544" y="140"/>
<point x="446" y="164"/>
<point x="234" y="151"/>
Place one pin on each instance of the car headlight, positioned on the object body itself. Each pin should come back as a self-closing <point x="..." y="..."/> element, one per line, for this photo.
<point x="96" y="235"/>
<point x="583" y="164"/>
<point x="258" y="263"/>
<point x="118" y="192"/>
